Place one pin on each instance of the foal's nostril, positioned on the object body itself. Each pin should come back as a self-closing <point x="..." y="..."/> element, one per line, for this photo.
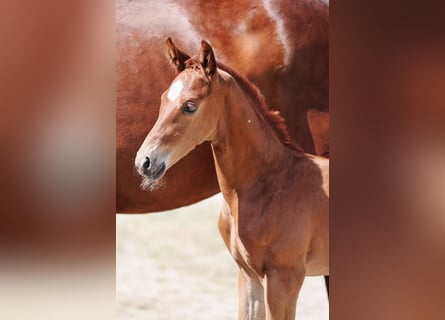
<point x="146" y="164"/>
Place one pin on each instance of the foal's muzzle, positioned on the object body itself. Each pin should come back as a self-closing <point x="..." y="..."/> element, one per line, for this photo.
<point x="151" y="169"/>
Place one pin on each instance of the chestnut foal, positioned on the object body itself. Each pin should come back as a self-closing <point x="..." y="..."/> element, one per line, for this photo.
<point x="275" y="214"/>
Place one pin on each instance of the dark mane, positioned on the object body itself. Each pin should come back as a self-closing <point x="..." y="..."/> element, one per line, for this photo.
<point x="273" y="118"/>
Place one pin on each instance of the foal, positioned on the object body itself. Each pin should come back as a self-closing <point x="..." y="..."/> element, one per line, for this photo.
<point x="275" y="214"/>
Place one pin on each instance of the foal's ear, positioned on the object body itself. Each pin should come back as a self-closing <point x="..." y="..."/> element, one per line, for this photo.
<point x="176" y="56"/>
<point x="207" y="58"/>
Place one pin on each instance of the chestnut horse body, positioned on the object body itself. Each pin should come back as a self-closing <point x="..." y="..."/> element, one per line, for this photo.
<point x="280" y="45"/>
<point x="275" y="214"/>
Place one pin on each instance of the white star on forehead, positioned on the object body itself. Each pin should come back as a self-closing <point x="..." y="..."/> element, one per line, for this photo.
<point x="175" y="90"/>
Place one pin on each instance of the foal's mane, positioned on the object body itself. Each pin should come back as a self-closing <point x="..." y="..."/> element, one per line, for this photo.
<point x="273" y="118"/>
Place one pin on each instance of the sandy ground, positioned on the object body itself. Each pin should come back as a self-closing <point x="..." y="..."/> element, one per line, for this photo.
<point x="174" y="265"/>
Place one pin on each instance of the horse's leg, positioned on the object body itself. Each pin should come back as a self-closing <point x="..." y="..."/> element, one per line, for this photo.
<point x="282" y="286"/>
<point x="251" y="298"/>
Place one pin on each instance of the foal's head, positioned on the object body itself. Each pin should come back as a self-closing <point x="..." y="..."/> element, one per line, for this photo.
<point x="188" y="114"/>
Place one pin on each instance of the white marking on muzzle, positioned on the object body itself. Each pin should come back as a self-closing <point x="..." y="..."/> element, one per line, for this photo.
<point x="175" y="90"/>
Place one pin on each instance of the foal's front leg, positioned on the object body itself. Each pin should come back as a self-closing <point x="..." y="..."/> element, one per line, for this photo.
<point x="282" y="286"/>
<point x="251" y="298"/>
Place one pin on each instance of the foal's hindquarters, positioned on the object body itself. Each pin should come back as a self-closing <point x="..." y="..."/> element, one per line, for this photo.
<point x="277" y="238"/>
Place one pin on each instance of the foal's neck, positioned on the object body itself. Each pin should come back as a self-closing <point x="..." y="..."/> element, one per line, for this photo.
<point x="245" y="147"/>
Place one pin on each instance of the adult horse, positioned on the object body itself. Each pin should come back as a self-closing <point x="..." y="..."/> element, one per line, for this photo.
<point x="275" y="213"/>
<point x="280" y="45"/>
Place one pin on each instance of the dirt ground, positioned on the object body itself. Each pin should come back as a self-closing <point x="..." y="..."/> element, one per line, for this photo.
<point x="174" y="265"/>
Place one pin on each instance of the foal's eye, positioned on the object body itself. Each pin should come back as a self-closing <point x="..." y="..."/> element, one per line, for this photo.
<point x="189" y="107"/>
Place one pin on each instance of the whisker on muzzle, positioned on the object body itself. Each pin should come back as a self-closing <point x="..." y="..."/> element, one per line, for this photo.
<point x="151" y="185"/>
